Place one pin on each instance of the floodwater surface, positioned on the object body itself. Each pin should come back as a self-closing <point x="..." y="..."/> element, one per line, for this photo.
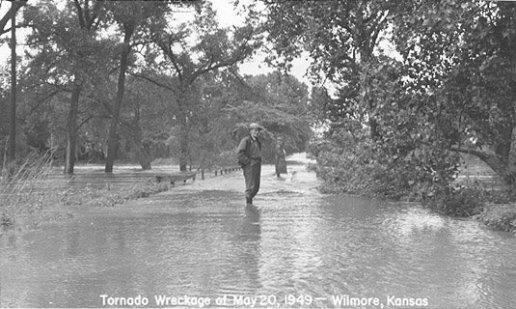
<point x="297" y="248"/>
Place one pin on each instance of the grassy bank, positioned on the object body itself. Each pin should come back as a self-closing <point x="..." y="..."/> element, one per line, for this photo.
<point x="24" y="205"/>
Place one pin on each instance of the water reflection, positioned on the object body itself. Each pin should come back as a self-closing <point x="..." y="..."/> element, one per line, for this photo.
<point x="202" y="242"/>
<point x="251" y="225"/>
<point x="248" y="246"/>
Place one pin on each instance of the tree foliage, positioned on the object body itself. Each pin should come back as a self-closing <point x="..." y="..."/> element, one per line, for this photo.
<point x="77" y="101"/>
<point x="341" y="38"/>
<point x="460" y="58"/>
<point x="449" y="90"/>
<point x="191" y="50"/>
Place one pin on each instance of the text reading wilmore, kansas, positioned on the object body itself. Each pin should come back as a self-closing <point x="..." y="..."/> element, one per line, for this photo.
<point x="339" y="301"/>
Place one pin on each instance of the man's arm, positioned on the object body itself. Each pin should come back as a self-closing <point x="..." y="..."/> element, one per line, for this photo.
<point x="243" y="158"/>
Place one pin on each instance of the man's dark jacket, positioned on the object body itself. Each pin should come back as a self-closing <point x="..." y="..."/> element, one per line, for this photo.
<point x="244" y="151"/>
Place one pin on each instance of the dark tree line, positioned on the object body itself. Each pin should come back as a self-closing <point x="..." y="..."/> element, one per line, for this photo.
<point x="107" y="80"/>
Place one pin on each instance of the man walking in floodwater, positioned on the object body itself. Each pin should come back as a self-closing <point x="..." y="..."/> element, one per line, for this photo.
<point x="250" y="159"/>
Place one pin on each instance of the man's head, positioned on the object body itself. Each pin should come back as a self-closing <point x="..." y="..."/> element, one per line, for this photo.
<point x="255" y="129"/>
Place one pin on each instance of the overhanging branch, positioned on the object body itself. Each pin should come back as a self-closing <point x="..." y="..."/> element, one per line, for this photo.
<point x="155" y="82"/>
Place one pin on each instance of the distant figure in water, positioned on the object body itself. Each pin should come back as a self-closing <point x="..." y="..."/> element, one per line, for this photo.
<point x="279" y="154"/>
<point x="250" y="159"/>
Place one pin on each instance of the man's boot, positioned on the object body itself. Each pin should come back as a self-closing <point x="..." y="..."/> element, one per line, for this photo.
<point x="249" y="201"/>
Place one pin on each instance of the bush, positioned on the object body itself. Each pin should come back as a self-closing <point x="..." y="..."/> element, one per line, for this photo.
<point x="457" y="202"/>
<point x="357" y="167"/>
<point x="499" y="217"/>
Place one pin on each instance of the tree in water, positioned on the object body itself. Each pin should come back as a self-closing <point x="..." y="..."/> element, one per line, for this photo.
<point x="134" y="18"/>
<point x="213" y="49"/>
<point x="67" y="44"/>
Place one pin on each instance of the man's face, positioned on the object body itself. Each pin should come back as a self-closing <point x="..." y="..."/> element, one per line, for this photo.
<point x="255" y="133"/>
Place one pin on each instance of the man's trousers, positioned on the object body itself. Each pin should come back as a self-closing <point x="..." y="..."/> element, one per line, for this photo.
<point x="252" y="179"/>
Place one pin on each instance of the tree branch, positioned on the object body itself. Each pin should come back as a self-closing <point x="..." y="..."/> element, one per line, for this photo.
<point x="43" y="100"/>
<point x="167" y="49"/>
<point x="480" y="154"/>
<point x="377" y="27"/>
<point x="84" y="122"/>
<point x="15" y="6"/>
<point x="162" y="85"/>
<point x="239" y="55"/>
<point x="87" y="17"/>
<point x="491" y="160"/>
<point x="80" y="14"/>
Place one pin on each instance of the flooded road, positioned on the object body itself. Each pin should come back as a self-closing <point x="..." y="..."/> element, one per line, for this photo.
<point x="200" y="242"/>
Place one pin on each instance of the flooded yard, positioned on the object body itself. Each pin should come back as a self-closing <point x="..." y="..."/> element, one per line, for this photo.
<point x="199" y="245"/>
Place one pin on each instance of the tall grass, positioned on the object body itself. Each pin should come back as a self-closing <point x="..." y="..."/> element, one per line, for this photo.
<point x="19" y="198"/>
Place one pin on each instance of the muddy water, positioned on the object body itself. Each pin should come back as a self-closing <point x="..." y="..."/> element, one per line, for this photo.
<point x="200" y="241"/>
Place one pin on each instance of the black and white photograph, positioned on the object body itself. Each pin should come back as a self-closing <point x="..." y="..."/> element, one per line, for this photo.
<point x="352" y="154"/>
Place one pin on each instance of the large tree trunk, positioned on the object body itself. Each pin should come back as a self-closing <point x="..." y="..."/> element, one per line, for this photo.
<point x="12" y="125"/>
<point x="183" y="142"/>
<point x="511" y="166"/>
<point x="367" y="101"/>
<point x="365" y="50"/>
<point x="502" y="155"/>
<point x="71" y="130"/>
<point x="183" y="101"/>
<point x="143" y="157"/>
<point x="113" y="128"/>
<point x="134" y="136"/>
<point x="365" y="98"/>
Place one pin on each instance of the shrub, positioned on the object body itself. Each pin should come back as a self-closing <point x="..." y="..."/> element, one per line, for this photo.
<point x="351" y="162"/>
<point x="457" y="202"/>
<point x="500" y="217"/>
<point x="358" y="167"/>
